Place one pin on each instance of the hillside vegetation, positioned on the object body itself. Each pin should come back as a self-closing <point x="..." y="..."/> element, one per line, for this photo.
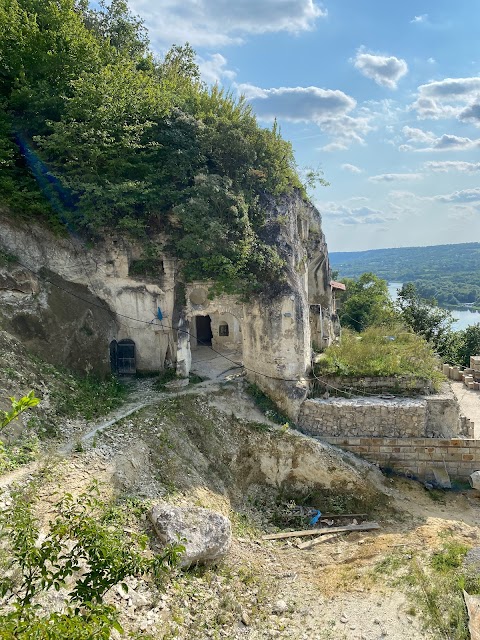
<point x="96" y="133"/>
<point x="448" y="273"/>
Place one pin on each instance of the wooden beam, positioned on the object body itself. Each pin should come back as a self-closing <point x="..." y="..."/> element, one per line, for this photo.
<point x="315" y="541"/>
<point x="367" y="526"/>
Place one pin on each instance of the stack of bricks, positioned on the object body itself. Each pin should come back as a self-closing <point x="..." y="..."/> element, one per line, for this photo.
<point x="470" y="375"/>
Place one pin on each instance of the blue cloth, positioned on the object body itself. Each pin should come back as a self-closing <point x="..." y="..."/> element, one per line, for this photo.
<point x="315" y="518"/>
<point x="159" y="313"/>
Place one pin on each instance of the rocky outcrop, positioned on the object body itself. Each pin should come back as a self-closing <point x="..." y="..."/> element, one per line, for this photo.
<point x="206" y="535"/>
<point x="73" y="305"/>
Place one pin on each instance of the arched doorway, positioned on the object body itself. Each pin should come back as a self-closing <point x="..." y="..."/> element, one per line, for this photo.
<point x="122" y="357"/>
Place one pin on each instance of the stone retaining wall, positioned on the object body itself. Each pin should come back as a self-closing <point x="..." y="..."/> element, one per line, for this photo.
<point x="363" y="417"/>
<point x="426" y="416"/>
<point x="416" y="457"/>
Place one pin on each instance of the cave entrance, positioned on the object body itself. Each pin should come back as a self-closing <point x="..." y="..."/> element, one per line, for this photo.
<point x="203" y="326"/>
<point x="122" y="357"/>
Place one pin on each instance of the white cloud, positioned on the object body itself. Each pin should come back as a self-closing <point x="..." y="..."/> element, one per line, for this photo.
<point x="452" y="165"/>
<point x="431" y="60"/>
<point x="414" y="135"/>
<point x="384" y="70"/>
<point x="446" y="142"/>
<point x="396" y="177"/>
<point x="449" y="142"/>
<point x="450" y="87"/>
<point x="215" y="23"/>
<point x="344" y="215"/>
<point x="419" y="19"/>
<point x="351" y="168"/>
<point x="329" y="109"/>
<point x="461" y="197"/>
<point x="446" y="98"/>
<point x="346" y="130"/>
<point x="298" y="104"/>
<point x="471" y="113"/>
<point x="214" y="69"/>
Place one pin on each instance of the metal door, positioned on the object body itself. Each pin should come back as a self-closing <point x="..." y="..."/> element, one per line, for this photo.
<point x="126" y="357"/>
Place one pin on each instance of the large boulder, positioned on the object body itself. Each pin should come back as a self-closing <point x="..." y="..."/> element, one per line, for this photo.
<point x="206" y="534"/>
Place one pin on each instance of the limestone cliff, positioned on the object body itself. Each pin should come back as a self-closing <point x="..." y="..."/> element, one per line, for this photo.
<point x="70" y="303"/>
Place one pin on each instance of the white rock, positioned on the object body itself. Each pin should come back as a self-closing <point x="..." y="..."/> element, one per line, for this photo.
<point x="206" y="534"/>
<point x="280" y="606"/>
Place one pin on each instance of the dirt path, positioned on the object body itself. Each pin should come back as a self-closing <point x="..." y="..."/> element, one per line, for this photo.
<point x="469" y="402"/>
<point x="143" y="394"/>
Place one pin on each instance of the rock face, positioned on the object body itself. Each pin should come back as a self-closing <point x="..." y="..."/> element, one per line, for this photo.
<point x="206" y="534"/>
<point x="94" y="308"/>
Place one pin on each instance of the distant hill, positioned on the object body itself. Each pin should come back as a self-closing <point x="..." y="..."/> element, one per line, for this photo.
<point x="450" y="273"/>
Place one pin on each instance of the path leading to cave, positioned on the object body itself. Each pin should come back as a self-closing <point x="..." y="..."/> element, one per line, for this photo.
<point x="210" y="365"/>
<point x="469" y="402"/>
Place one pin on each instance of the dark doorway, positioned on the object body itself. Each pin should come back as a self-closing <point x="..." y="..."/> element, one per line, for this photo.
<point x="122" y="357"/>
<point x="204" y="330"/>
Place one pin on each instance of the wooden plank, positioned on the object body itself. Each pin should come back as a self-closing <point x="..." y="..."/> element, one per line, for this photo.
<point x="315" y="541"/>
<point x="366" y="526"/>
<point x="333" y="516"/>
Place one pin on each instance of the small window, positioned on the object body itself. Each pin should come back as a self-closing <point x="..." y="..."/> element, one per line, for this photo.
<point x="223" y="329"/>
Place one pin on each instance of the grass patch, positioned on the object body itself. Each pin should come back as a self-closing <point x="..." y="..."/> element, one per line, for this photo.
<point x="381" y="351"/>
<point x="21" y="452"/>
<point x="266" y="405"/>
<point x="164" y="377"/>
<point x="435" y="586"/>
<point x="89" y="396"/>
<point x="168" y="375"/>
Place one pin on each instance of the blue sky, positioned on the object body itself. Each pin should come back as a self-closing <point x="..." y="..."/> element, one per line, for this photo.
<point x="382" y="96"/>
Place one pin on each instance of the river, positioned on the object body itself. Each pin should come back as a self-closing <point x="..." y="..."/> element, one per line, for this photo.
<point x="463" y="318"/>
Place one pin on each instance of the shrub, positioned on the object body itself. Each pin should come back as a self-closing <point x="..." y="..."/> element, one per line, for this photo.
<point x="381" y="351"/>
<point x="82" y="551"/>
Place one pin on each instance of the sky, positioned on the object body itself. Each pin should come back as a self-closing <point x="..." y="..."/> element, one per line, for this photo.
<point x="382" y="96"/>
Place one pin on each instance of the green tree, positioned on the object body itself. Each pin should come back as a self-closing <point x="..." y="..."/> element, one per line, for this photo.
<point x="425" y="317"/>
<point x="365" y="303"/>
<point x="468" y="344"/>
<point x="114" y="139"/>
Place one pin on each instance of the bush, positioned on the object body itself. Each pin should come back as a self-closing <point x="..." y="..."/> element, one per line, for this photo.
<point x="381" y="351"/>
<point x="82" y="551"/>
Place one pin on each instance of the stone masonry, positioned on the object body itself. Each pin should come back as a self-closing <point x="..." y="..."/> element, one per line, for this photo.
<point x="416" y="457"/>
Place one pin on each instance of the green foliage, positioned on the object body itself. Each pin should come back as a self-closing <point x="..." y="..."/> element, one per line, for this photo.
<point x="449" y="557"/>
<point x="83" y="552"/>
<point x="380" y="351"/>
<point x="467" y="343"/>
<point x="18" y="407"/>
<point x="7" y="259"/>
<point x="18" y="453"/>
<point x="164" y="377"/>
<point x="25" y="449"/>
<point x="267" y="406"/>
<point x="425" y="317"/>
<point x="365" y="303"/>
<point x="89" y="396"/>
<point x="97" y="134"/>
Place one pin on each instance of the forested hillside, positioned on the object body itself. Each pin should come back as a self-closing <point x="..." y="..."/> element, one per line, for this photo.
<point x="95" y="133"/>
<point x="449" y="273"/>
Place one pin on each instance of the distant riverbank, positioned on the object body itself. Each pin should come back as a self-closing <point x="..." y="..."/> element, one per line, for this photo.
<point x="463" y="317"/>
